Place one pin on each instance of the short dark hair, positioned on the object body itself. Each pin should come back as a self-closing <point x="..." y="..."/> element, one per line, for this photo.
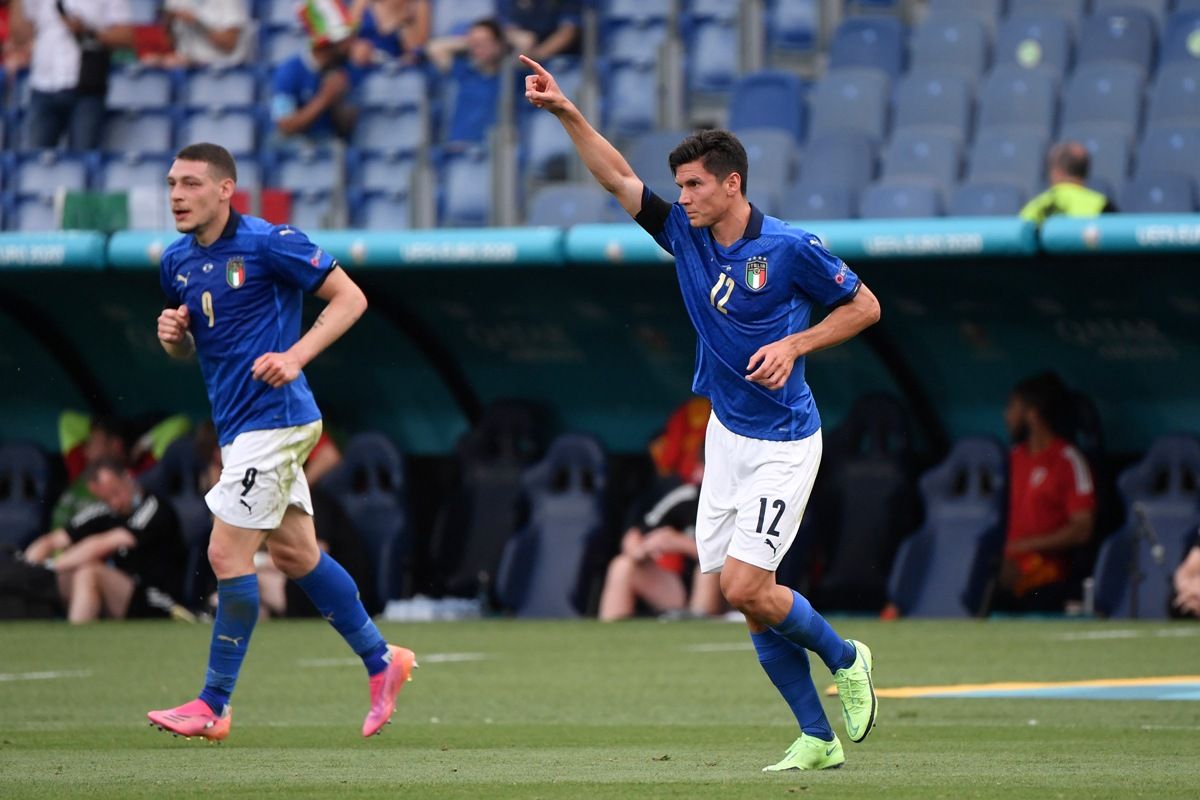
<point x="115" y="466"/>
<point x="493" y="26"/>
<point x="719" y="151"/>
<point x="217" y="157"/>
<point x="1047" y="394"/>
<point x="1072" y="158"/>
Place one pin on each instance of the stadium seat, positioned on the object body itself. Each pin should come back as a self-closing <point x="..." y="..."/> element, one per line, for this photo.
<point x="1109" y="149"/>
<point x="811" y="201"/>
<point x="540" y="570"/>
<point x="24" y="485"/>
<point x="382" y="211"/>
<point x="546" y="149"/>
<point x="456" y="17"/>
<point x="631" y="99"/>
<point x="712" y="9"/>
<point x="566" y="204"/>
<point x="712" y="55"/>
<point x="308" y="170"/>
<point x="47" y="171"/>
<point x="1175" y="94"/>
<point x="941" y="570"/>
<point x="278" y="12"/>
<point x="369" y="484"/>
<point x="1163" y="511"/>
<point x="1169" y="149"/>
<point x="934" y="100"/>
<point x="868" y="42"/>
<point x="987" y="11"/>
<point x="139" y="132"/>
<point x="281" y="43"/>
<point x="1035" y="40"/>
<point x="1014" y="96"/>
<point x="839" y="158"/>
<point x="236" y="131"/>
<point x="133" y="88"/>
<point x="236" y="87"/>
<point x="120" y="172"/>
<point x="768" y="99"/>
<point x="908" y="197"/>
<point x="950" y="43"/>
<point x="1009" y="156"/>
<point x="391" y="130"/>
<point x="636" y="12"/>
<point x="1124" y="35"/>
<point x="385" y="172"/>
<point x="312" y="210"/>
<point x="466" y="181"/>
<point x="920" y="153"/>
<point x="771" y="155"/>
<point x="391" y="86"/>
<point x="647" y="154"/>
<point x="1157" y="9"/>
<point x="793" y="26"/>
<point x="1105" y="91"/>
<point x="1158" y="194"/>
<point x="634" y="42"/>
<point x="850" y="99"/>
<point x="1072" y="11"/>
<point x="1181" y="41"/>
<point x="33" y="212"/>
<point x="979" y="199"/>
<point x="178" y="476"/>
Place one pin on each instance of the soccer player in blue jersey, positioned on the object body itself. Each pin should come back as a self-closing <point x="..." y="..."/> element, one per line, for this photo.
<point x="234" y="286"/>
<point x="749" y="283"/>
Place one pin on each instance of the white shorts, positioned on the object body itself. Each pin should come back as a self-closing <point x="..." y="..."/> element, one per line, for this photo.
<point x="753" y="496"/>
<point x="262" y="473"/>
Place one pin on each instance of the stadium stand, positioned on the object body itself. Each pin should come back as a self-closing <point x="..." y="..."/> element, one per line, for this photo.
<point x="1158" y="194"/>
<point x="940" y="101"/>
<point x="24" y="488"/>
<point x="1033" y="40"/>
<point x="978" y="199"/>
<point x="951" y="44"/>
<point x="902" y="197"/>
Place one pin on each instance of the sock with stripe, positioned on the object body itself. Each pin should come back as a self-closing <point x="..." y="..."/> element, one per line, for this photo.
<point x="335" y="595"/>
<point x="237" y="611"/>
<point x="806" y="627"/>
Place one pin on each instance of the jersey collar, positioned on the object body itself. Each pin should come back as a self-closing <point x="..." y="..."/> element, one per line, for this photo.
<point x="754" y="226"/>
<point x="235" y="219"/>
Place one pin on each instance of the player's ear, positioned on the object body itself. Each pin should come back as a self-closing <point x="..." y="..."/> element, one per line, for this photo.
<point x="227" y="187"/>
<point x="733" y="184"/>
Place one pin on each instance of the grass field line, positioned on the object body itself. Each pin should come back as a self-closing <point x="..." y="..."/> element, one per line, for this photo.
<point x="719" y="647"/>
<point x="423" y="658"/>
<point x="45" y="675"/>
<point x="1124" y="633"/>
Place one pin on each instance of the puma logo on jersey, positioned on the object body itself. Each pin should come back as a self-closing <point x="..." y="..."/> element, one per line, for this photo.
<point x="235" y="641"/>
<point x="286" y="231"/>
<point x="182" y="279"/>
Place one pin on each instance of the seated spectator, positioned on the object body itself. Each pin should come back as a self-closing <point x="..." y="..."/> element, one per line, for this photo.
<point x="312" y="92"/>
<point x="208" y="33"/>
<point x="1067" y="165"/>
<point x="473" y="64"/>
<point x="68" y="78"/>
<point x="105" y="440"/>
<point x="1187" y="581"/>
<point x="390" y="30"/>
<point x="543" y="29"/>
<point x="123" y="558"/>
<point x="1051" y="509"/>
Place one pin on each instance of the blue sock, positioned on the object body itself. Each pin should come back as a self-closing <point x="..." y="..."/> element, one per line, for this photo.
<point x="787" y="667"/>
<point x="237" y="611"/>
<point x="335" y="595"/>
<point x="806" y="627"/>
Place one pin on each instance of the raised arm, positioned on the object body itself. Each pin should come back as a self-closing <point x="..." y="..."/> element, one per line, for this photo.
<point x="607" y="165"/>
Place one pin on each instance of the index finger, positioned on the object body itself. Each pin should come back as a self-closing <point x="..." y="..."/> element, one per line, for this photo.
<point x="533" y="65"/>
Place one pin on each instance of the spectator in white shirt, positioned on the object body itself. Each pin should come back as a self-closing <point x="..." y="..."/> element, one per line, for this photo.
<point x="213" y="33"/>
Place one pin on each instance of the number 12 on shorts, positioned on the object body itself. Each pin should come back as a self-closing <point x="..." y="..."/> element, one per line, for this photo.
<point x="779" y="507"/>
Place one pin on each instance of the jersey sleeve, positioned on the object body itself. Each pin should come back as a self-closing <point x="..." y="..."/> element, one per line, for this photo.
<point x="660" y="219"/>
<point x="293" y="258"/>
<point x="166" y="279"/>
<point x="820" y="274"/>
<point x="1079" y="493"/>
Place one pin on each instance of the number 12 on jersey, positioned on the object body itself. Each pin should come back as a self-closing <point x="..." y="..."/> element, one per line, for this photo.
<point x="723" y="282"/>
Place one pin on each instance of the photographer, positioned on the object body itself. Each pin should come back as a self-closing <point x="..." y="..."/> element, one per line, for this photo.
<point x="312" y="91"/>
<point x="72" y="41"/>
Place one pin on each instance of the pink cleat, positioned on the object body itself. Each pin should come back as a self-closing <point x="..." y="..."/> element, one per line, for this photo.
<point x="386" y="685"/>
<point x="193" y="719"/>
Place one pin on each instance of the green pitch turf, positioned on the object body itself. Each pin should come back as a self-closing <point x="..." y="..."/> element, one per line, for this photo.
<point x="556" y="710"/>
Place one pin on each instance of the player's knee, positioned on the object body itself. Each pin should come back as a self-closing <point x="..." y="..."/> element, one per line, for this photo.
<point x="745" y="596"/>
<point x="295" y="561"/>
<point x="227" y="562"/>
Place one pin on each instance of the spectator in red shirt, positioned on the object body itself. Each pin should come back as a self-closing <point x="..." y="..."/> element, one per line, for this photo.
<point x="1051" y="507"/>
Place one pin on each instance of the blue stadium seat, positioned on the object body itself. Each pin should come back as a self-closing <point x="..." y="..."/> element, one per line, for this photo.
<point x="647" y="154"/>
<point x="393" y="130"/>
<point x="1158" y="194"/>
<point x="382" y="211"/>
<point x="466" y="182"/>
<point x="1163" y="511"/>
<point x="811" y="201"/>
<point x="540" y="570"/>
<point x="950" y="43"/>
<point x="925" y="100"/>
<point x="118" y="172"/>
<point x="1157" y="9"/>
<point x="313" y="170"/>
<point x="1072" y="11"/>
<point x="312" y="210"/>
<point x="139" y="132"/>
<point x="712" y="9"/>
<point x="771" y="155"/>
<point x="869" y="42"/>
<point x="33" y="212"/>
<point x="631" y="99"/>
<point x="987" y="11"/>
<point x="386" y="172"/>
<point x="1035" y="40"/>
<point x="456" y="17"/>
<point x="637" y="12"/>
<point x="1105" y="91"/>
<point x="47" y="171"/>
<point x="391" y="86"/>
<point x="1124" y="35"/>
<point x="793" y="25"/>
<point x="768" y="99"/>
<point x="1175" y="95"/>
<point x="1014" y="96"/>
<point x="24" y="485"/>
<point x="135" y="88"/>
<point x="1109" y="148"/>
<point x="712" y="55"/>
<point x="1181" y="42"/>
<point x="236" y="87"/>
<point x="566" y="204"/>
<point x="850" y="99"/>
<point x="1009" y="156"/>
<point x="546" y="148"/>
<point x="144" y="12"/>
<point x="920" y="153"/>
<point x="983" y="199"/>
<point x="1169" y="149"/>
<point x="903" y="198"/>
<point x="279" y="12"/>
<point x="281" y="43"/>
<point x="942" y="569"/>
<point x="236" y="131"/>
<point x="839" y="158"/>
<point x="635" y="43"/>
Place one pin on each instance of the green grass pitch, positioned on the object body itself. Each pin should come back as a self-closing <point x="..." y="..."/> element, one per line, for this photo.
<point x="505" y="709"/>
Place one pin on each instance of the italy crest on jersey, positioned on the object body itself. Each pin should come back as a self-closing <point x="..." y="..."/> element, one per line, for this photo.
<point x="756" y="272"/>
<point x="235" y="272"/>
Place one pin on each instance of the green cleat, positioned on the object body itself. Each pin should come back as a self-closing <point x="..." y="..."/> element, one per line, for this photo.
<point x="857" y="692"/>
<point x="809" y="752"/>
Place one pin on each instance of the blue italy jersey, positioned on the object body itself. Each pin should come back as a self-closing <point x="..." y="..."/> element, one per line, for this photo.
<point x="244" y="293"/>
<point x="758" y="290"/>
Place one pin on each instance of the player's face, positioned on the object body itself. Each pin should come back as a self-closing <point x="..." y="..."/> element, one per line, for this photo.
<point x="1016" y="419"/>
<point x="196" y="195"/>
<point x="705" y="198"/>
<point x="114" y="490"/>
